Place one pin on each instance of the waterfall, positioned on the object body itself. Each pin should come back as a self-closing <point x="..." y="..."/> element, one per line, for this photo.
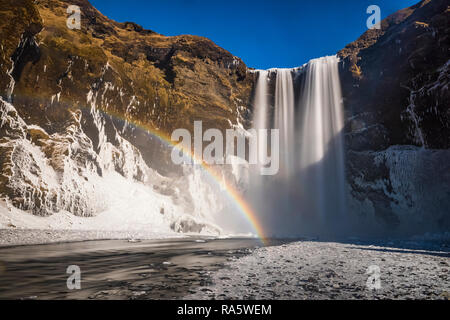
<point x="284" y="119"/>
<point x="308" y="194"/>
<point x="260" y="119"/>
<point x="261" y="101"/>
<point x="321" y="156"/>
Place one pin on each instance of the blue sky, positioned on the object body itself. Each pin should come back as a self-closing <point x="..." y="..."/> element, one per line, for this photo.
<point x="264" y="33"/>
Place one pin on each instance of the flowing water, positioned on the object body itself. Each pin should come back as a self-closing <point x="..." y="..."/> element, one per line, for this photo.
<point x="308" y="194"/>
<point x="321" y="157"/>
<point x="261" y="117"/>
<point x="284" y="119"/>
<point x="117" y="269"/>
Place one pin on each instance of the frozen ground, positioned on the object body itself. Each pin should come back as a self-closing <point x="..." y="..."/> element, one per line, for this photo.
<point x="320" y="270"/>
<point x="18" y="227"/>
<point x="13" y="237"/>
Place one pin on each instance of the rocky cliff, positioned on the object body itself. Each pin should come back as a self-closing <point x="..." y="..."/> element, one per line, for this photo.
<point x="395" y="86"/>
<point x="137" y="75"/>
<point x="77" y="104"/>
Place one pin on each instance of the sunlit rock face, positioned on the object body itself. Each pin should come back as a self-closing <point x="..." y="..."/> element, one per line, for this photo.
<point x="130" y="73"/>
<point x="395" y="87"/>
<point x="77" y="107"/>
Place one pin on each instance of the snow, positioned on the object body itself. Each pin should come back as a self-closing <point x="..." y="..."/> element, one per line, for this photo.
<point x="131" y="207"/>
<point x="63" y="184"/>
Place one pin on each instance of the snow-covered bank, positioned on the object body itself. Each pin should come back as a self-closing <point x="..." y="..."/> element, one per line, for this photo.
<point x="130" y="206"/>
<point x="18" y="227"/>
<point x="18" y="237"/>
<point x="87" y="180"/>
<point x="319" y="270"/>
<point x="134" y="212"/>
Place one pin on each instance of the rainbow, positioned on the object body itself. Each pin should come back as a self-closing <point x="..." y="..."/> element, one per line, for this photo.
<point x="231" y="192"/>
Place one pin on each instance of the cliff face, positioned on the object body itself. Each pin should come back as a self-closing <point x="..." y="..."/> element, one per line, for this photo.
<point x="395" y="86"/>
<point x="134" y="74"/>
<point x="78" y="104"/>
<point x="395" y="80"/>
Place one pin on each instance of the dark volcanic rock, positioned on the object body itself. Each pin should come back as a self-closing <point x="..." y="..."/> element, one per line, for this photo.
<point x="395" y="80"/>
<point x="395" y="87"/>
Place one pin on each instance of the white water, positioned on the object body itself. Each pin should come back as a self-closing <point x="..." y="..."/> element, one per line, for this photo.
<point x="261" y="116"/>
<point x="261" y="100"/>
<point x="321" y="157"/>
<point x="308" y="194"/>
<point x="284" y="119"/>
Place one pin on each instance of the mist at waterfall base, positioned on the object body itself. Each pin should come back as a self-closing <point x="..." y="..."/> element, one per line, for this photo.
<point x="307" y="197"/>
